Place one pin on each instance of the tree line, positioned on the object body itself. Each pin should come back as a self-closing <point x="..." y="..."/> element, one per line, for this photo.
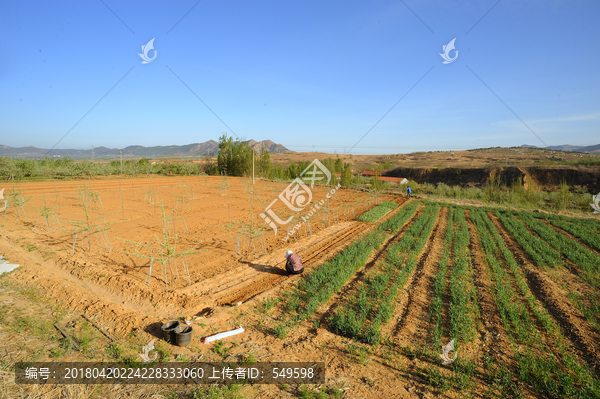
<point x="234" y="159"/>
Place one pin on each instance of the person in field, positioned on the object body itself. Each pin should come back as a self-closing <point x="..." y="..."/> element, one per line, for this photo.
<point x="293" y="265"/>
<point x="408" y="192"/>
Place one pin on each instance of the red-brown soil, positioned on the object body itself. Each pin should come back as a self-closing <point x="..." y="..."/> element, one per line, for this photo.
<point x="227" y="290"/>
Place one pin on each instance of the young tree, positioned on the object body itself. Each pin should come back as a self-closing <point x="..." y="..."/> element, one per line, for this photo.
<point x="346" y="179"/>
<point x="339" y="166"/>
<point x="376" y="183"/>
<point x="264" y="163"/>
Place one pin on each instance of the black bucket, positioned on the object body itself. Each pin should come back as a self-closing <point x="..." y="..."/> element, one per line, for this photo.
<point x="183" y="335"/>
<point x="168" y="330"/>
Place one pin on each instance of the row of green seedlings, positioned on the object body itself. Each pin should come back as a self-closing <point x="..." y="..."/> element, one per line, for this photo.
<point x="327" y="279"/>
<point x="587" y="230"/>
<point x="551" y="370"/>
<point x="538" y="249"/>
<point x="165" y="252"/>
<point x="544" y="255"/>
<point x="378" y="212"/>
<point x="464" y="310"/>
<point x="585" y="259"/>
<point x="439" y="285"/>
<point x="363" y="314"/>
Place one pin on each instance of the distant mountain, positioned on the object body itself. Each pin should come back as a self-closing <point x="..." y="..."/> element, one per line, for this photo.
<point x="210" y="147"/>
<point x="567" y="147"/>
<point x="273" y="148"/>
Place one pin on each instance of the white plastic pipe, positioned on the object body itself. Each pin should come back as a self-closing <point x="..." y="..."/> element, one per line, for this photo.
<point x="222" y="335"/>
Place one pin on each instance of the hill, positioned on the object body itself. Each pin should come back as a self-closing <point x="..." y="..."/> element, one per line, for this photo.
<point x="571" y="148"/>
<point x="194" y="150"/>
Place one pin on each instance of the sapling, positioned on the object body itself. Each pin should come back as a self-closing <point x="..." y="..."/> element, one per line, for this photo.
<point x="91" y="226"/>
<point x="47" y="213"/>
<point x="164" y="252"/>
<point x="17" y="199"/>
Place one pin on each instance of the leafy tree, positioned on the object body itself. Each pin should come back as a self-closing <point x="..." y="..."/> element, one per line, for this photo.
<point x="235" y="158"/>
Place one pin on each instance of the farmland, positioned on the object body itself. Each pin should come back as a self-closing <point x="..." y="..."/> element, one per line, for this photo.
<point x="387" y="282"/>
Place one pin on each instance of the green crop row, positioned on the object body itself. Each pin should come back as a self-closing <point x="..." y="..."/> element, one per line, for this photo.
<point x="591" y="312"/>
<point x="386" y="308"/>
<point x="582" y="257"/>
<point x="463" y="308"/>
<point x="440" y="282"/>
<point x="539" y="250"/>
<point x="328" y="278"/>
<point x="587" y="232"/>
<point x="539" y="365"/>
<point x="368" y="304"/>
<point x="377" y="213"/>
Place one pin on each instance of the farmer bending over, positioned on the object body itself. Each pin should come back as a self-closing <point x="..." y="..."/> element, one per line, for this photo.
<point x="408" y="192"/>
<point x="293" y="265"/>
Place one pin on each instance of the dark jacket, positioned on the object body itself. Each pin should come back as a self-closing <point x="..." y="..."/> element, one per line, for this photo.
<point x="294" y="264"/>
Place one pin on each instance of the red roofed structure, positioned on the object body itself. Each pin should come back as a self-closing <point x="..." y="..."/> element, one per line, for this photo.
<point x="398" y="180"/>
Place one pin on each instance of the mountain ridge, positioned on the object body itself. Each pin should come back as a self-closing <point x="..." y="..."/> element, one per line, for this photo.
<point x="595" y="149"/>
<point x="210" y="147"/>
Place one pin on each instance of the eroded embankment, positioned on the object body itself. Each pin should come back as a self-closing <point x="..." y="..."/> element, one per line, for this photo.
<point x="545" y="178"/>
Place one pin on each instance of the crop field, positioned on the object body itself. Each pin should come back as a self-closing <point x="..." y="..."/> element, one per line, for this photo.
<point x="518" y="292"/>
<point x="387" y="281"/>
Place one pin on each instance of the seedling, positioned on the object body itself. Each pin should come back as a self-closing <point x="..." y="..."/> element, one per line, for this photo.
<point x="93" y="226"/>
<point x="48" y="214"/>
<point x="165" y="253"/>
<point x="18" y="200"/>
<point x="223" y="186"/>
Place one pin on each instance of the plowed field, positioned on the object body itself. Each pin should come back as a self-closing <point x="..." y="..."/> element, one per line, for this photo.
<point x="517" y="292"/>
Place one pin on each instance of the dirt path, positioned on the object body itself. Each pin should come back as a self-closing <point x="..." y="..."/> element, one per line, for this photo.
<point x="554" y="298"/>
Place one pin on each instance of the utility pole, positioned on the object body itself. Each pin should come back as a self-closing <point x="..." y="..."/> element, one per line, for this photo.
<point x="121" y="156"/>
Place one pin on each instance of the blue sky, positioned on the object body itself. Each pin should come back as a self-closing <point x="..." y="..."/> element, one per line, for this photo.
<point x="310" y="75"/>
